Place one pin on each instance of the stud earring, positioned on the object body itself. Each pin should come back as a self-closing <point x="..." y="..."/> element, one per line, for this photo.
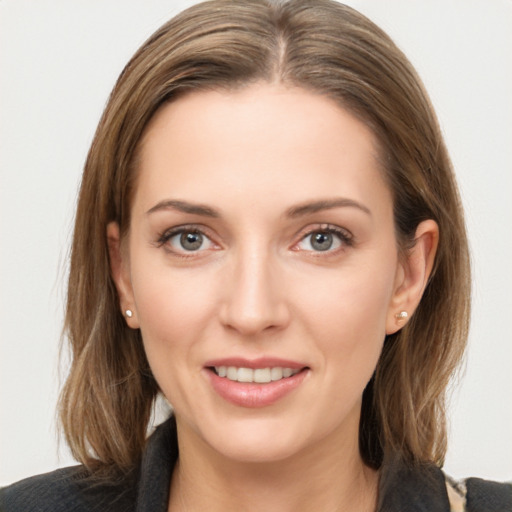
<point x="401" y="316"/>
<point x="128" y="313"/>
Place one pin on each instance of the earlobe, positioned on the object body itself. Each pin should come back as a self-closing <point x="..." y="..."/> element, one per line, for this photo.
<point x="413" y="276"/>
<point x="119" y="269"/>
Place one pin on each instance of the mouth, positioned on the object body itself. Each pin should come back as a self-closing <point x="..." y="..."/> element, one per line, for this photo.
<point x="255" y="383"/>
<point x="255" y="375"/>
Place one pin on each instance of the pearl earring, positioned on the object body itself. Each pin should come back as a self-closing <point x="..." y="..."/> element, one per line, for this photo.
<point x="401" y="316"/>
<point x="128" y="313"/>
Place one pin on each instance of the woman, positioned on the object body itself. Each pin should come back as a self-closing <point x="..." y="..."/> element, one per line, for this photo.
<point x="268" y="234"/>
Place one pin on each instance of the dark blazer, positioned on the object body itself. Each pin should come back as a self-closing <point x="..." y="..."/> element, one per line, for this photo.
<point x="147" y="490"/>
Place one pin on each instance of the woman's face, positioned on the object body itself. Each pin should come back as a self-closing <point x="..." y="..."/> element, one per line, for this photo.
<point x="262" y="268"/>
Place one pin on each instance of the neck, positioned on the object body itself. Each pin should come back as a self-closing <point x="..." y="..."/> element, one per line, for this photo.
<point x="329" y="477"/>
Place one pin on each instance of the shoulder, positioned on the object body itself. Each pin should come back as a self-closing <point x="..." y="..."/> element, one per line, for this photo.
<point x="424" y="487"/>
<point x="66" y="490"/>
<point x="478" y="495"/>
<point x="73" y="490"/>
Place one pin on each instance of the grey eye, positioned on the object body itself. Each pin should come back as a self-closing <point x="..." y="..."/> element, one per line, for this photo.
<point x="321" y="241"/>
<point x="188" y="241"/>
<point x="191" y="241"/>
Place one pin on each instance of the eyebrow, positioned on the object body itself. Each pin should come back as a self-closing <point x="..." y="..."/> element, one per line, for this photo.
<point x="185" y="207"/>
<point x="325" y="204"/>
<point x="293" y="212"/>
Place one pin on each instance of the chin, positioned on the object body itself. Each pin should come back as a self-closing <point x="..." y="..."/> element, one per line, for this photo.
<point x="256" y="440"/>
<point x="259" y="448"/>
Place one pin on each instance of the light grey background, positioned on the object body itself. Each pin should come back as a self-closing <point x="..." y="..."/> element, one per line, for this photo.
<point x="58" y="63"/>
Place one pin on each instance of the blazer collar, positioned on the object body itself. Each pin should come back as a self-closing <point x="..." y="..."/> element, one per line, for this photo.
<point x="420" y="488"/>
<point x="158" y="460"/>
<point x="401" y="488"/>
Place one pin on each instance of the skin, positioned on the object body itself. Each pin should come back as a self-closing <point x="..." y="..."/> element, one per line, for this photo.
<point x="257" y="287"/>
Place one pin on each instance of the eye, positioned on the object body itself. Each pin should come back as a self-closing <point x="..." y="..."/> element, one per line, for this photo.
<point x="186" y="240"/>
<point x="323" y="240"/>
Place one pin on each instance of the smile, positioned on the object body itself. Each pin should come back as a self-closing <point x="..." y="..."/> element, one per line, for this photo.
<point x="255" y="375"/>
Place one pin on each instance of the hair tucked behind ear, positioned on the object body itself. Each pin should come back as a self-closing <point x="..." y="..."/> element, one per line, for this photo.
<point x="324" y="47"/>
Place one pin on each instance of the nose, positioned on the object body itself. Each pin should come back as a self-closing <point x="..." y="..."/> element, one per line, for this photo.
<point x="254" y="296"/>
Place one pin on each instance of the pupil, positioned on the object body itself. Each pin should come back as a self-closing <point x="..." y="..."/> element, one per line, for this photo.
<point x="322" y="241"/>
<point x="191" y="241"/>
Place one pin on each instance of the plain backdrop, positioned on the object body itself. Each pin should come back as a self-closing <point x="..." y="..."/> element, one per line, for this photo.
<point x="58" y="63"/>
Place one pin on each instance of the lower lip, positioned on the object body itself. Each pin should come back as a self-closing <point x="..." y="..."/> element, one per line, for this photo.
<point x="248" y="394"/>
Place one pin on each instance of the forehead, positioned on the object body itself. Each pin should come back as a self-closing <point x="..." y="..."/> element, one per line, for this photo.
<point x="265" y="140"/>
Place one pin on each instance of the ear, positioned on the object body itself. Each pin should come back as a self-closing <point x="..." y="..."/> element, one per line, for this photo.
<point x="120" y="270"/>
<point x="412" y="276"/>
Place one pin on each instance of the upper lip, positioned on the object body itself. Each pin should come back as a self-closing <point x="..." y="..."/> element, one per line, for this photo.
<point x="260" y="362"/>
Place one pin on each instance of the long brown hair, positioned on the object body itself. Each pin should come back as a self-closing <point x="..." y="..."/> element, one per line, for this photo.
<point x="321" y="46"/>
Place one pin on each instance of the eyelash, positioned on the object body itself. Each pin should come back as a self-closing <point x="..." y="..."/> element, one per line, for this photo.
<point x="166" y="236"/>
<point x="345" y="237"/>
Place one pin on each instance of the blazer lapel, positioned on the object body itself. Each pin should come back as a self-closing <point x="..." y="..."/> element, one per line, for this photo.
<point x="420" y="488"/>
<point x="156" y="468"/>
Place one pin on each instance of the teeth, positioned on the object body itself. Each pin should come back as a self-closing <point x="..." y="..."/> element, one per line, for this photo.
<point x="276" y="373"/>
<point x="245" y="375"/>
<point x="262" y="375"/>
<point x="259" y="375"/>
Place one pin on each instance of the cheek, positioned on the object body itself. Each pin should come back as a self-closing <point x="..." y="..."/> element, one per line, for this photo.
<point x="355" y="300"/>
<point x="173" y="308"/>
<point x="347" y="316"/>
